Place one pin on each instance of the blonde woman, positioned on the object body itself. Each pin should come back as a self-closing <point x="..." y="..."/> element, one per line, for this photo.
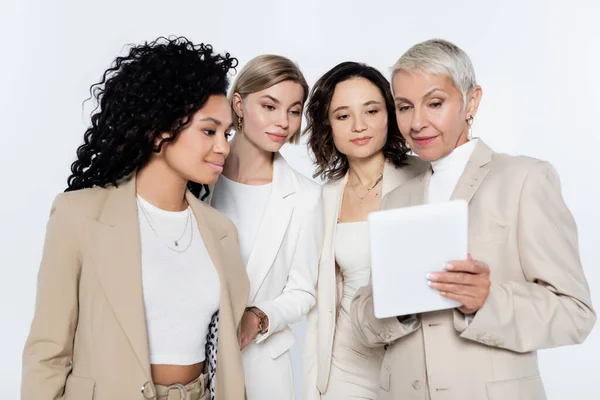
<point x="278" y="213"/>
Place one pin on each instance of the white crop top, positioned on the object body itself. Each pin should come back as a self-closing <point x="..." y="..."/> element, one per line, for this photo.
<point x="180" y="285"/>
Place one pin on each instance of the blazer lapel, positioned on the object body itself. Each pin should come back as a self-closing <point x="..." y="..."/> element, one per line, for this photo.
<point x="273" y="226"/>
<point x="332" y="202"/>
<point x="211" y="234"/>
<point x="393" y="177"/>
<point x="333" y="194"/>
<point x="114" y="242"/>
<point x="233" y="283"/>
<point x="474" y="173"/>
<point x="418" y="189"/>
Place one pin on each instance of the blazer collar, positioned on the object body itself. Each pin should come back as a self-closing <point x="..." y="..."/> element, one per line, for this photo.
<point x="473" y="175"/>
<point x="393" y="177"/>
<point x="274" y="225"/>
<point x="333" y="191"/>
<point x="121" y="205"/>
<point x="283" y="183"/>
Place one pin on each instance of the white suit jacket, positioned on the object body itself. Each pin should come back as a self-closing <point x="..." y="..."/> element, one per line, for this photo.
<point x="283" y="263"/>
<point x="322" y="318"/>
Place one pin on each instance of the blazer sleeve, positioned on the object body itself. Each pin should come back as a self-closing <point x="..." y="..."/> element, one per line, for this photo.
<point x="553" y="307"/>
<point x="299" y="293"/>
<point x="49" y="347"/>
<point x="372" y="331"/>
<point x="239" y="321"/>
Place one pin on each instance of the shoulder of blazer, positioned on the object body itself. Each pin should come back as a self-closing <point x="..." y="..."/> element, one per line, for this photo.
<point x="501" y="160"/>
<point x="85" y="203"/>
<point x="515" y="169"/>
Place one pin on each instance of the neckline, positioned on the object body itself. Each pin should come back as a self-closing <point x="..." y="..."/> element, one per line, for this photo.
<point x="460" y="155"/>
<point x="234" y="183"/>
<point x="156" y="210"/>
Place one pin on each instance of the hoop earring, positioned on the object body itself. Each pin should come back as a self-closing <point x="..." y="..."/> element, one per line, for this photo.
<point x="240" y="123"/>
<point x="470" y="123"/>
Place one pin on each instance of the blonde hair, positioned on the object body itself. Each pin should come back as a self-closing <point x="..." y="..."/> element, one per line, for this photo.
<point x="439" y="57"/>
<point x="261" y="73"/>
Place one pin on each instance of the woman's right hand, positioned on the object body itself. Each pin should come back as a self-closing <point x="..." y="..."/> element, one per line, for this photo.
<point x="249" y="329"/>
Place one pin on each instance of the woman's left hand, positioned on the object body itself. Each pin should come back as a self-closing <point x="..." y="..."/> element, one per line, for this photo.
<point x="467" y="282"/>
<point x="249" y="328"/>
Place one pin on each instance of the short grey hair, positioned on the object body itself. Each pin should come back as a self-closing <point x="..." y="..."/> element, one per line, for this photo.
<point x="439" y="57"/>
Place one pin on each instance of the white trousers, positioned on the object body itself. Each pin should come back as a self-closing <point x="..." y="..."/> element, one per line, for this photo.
<point x="354" y="368"/>
<point x="267" y="378"/>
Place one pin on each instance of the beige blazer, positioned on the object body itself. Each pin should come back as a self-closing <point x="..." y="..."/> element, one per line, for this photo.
<point x="88" y="337"/>
<point x="321" y="319"/>
<point x="539" y="298"/>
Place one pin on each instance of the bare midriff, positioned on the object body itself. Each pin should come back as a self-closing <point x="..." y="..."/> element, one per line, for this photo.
<point x="166" y="375"/>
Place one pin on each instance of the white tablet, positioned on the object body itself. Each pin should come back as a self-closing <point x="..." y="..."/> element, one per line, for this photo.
<point x="407" y="244"/>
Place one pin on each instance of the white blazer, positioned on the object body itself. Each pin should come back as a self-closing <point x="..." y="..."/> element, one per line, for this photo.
<point x="283" y="263"/>
<point x="322" y="318"/>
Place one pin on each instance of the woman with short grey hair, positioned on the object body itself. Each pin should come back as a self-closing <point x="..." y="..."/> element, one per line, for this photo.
<point x="521" y="288"/>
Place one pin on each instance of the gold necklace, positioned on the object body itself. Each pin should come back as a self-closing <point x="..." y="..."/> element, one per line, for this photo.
<point x="176" y="241"/>
<point x="369" y="189"/>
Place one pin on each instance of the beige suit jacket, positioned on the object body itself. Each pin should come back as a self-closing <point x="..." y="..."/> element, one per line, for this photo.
<point x="88" y="337"/>
<point x="321" y="319"/>
<point x="539" y="298"/>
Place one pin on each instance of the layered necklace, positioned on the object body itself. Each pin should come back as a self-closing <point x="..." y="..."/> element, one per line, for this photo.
<point x="362" y="198"/>
<point x="173" y="245"/>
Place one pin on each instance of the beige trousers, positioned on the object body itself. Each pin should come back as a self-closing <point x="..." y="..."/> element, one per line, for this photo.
<point x="195" y="390"/>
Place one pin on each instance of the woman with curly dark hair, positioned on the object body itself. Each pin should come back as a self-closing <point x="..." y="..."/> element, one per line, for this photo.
<point x="361" y="155"/>
<point x="134" y="264"/>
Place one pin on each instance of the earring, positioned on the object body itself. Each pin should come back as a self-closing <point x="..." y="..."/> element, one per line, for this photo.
<point x="470" y="123"/>
<point x="240" y="122"/>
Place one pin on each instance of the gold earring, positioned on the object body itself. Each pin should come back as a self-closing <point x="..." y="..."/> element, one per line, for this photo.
<point x="240" y="121"/>
<point x="470" y="123"/>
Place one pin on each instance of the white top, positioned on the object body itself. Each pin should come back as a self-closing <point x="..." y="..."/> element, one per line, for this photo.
<point x="181" y="288"/>
<point x="245" y="205"/>
<point x="447" y="172"/>
<point x="352" y="254"/>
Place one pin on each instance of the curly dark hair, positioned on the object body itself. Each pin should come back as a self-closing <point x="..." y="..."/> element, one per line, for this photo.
<point x="155" y="88"/>
<point x="331" y="164"/>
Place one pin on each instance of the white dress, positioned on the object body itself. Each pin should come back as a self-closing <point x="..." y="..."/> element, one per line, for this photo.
<point x="354" y="368"/>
